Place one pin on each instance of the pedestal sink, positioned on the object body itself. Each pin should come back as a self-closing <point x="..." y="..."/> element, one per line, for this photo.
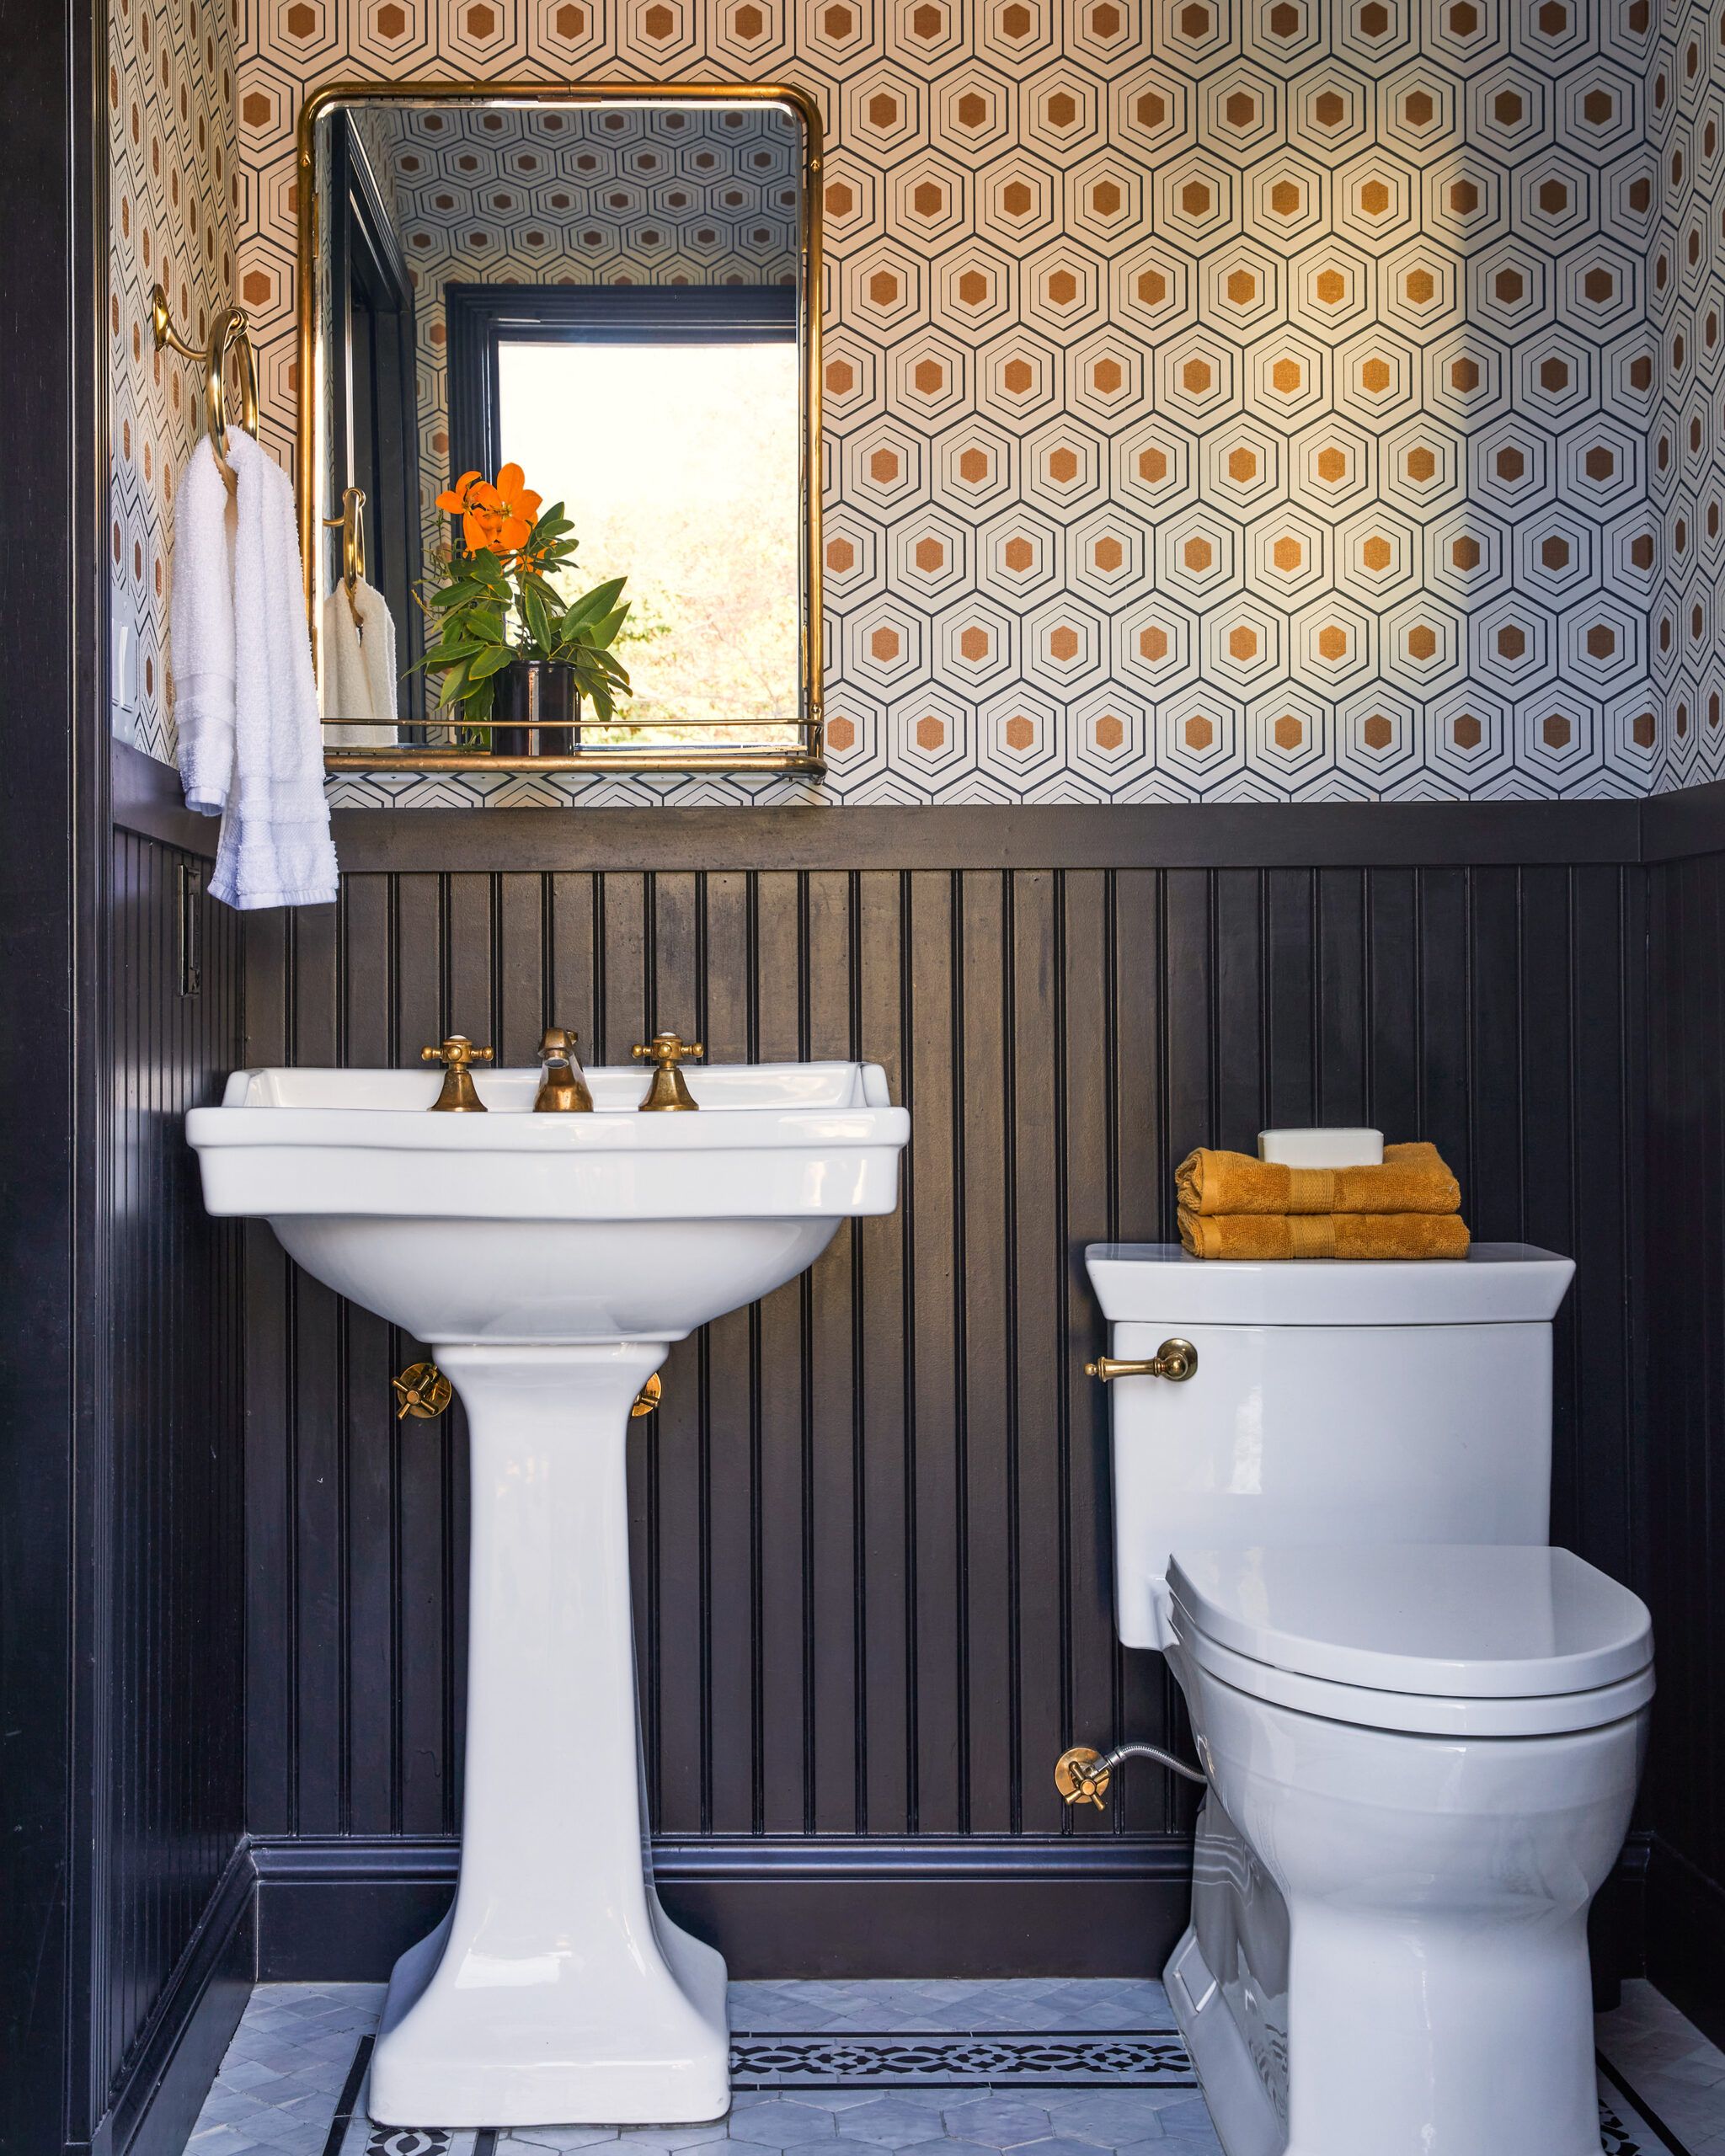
<point x="550" y="1261"/>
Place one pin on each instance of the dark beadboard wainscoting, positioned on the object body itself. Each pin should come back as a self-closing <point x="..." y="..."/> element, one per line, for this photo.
<point x="1684" y="1796"/>
<point x="173" y="1927"/>
<point x="871" y="1519"/>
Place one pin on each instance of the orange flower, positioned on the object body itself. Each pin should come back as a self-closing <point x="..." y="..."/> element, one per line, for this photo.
<point x="500" y="517"/>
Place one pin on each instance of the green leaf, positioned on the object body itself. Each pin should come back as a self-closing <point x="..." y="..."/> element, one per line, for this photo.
<point x="593" y="605"/>
<point x="604" y="631"/>
<point x="490" y="662"/>
<point x="536" y="608"/>
<point x="485" y="568"/>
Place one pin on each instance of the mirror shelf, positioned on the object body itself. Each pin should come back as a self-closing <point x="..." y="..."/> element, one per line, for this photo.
<point x="407" y="758"/>
<point x="606" y="296"/>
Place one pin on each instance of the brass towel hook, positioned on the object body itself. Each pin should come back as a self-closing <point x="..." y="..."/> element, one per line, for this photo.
<point x="352" y="524"/>
<point x="232" y="333"/>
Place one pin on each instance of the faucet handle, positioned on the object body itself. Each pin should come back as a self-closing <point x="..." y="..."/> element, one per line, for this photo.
<point x="459" y="1095"/>
<point x="457" y="1050"/>
<point x="666" y="1049"/>
<point x="668" y="1092"/>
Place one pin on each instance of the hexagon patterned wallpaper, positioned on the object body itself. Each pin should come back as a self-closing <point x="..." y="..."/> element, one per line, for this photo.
<point x="668" y="197"/>
<point x="174" y="197"/>
<point x="1225" y="399"/>
<point x="1681" y="566"/>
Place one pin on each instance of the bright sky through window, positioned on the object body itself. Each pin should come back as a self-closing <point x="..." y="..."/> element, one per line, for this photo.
<point x="678" y="463"/>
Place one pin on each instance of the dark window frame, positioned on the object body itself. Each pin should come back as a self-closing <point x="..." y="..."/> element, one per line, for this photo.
<point x="365" y="247"/>
<point x="479" y="317"/>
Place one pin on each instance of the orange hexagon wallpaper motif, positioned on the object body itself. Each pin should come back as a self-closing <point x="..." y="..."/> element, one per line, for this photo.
<point x="1225" y="399"/>
<point x="175" y="192"/>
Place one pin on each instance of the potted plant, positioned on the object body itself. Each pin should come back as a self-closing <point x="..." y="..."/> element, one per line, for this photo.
<point x="516" y="657"/>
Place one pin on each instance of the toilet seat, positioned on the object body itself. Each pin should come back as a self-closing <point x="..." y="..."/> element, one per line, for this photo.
<point x="1454" y="1640"/>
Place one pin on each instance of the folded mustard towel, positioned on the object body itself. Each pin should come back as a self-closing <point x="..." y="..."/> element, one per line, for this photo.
<point x="1412" y="1179"/>
<point x="1323" y="1234"/>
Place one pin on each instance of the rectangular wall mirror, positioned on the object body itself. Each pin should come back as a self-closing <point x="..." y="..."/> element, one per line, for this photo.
<point x="559" y="471"/>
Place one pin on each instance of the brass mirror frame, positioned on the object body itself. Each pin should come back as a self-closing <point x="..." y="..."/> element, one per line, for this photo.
<point x="808" y="755"/>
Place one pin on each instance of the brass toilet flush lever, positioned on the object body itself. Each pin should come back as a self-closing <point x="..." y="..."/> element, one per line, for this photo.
<point x="668" y="1092"/>
<point x="459" y="1095"/>
<point x="1175" y="1360"/>
<point x="563" y="1083"/>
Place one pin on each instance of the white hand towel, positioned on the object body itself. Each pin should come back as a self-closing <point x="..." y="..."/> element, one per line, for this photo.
<point x="357" y="649"/>
<point x="200" y="626"/>
<point x="276" y="848"/>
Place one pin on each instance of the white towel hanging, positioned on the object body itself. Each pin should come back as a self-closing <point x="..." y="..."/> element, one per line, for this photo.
<point x="276" y="848"/>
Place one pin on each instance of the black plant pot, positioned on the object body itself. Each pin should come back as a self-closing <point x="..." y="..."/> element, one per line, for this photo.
<point x="538" y="690"/>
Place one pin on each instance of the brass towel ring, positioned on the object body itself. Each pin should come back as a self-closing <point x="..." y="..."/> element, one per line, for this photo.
<point x="232" y="333"/>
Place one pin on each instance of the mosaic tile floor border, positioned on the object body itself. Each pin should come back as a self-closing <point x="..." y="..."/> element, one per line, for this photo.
<point x="1075" y="2058"/>
<point x="352" y="2133"/>
<point x="1639" y="2130"/>
<point x="884" y="2060"/>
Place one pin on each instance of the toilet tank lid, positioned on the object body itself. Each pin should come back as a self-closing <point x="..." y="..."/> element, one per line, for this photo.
<point x="1495" y="1284"/>
<point x="1447" y="1620"/>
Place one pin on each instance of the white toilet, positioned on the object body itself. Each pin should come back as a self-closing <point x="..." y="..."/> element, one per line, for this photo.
<point x="1422" y="1727"/>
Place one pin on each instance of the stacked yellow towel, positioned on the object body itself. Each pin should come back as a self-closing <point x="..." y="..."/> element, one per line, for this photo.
<point x="1234" y="1206"/>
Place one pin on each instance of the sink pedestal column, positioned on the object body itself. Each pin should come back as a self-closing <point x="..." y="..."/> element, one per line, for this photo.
<point x="556" y="1991"/>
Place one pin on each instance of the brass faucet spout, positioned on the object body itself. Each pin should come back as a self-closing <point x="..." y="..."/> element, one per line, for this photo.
<point x="563" y="1083"/>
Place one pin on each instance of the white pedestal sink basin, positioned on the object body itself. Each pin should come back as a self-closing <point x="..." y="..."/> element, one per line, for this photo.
<point x="550" y="1260"/>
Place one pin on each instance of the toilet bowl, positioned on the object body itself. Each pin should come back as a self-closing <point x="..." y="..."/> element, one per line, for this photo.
<point x="1397" y="1861"/>
<point x="1421" y="1727"/>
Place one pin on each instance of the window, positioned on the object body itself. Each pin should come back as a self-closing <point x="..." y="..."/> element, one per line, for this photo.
<point x="668" y="420"/>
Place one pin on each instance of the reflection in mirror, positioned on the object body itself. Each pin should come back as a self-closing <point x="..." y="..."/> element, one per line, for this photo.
<point x="558" y="486"/>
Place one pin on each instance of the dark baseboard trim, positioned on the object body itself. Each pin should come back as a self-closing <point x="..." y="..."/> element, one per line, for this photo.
<point x="335" y="1909"/>
<point x="148" y="799"/>
<point x="164" y="2083"/>
<point x="1094" y="1905"/>
<point x="1236" y="834"/>
<point x="1616" y="1930"/>
<point x="1685" y="1924"/>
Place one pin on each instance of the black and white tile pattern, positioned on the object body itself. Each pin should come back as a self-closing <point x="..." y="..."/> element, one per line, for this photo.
<point x="888" y="2059"/>
<point x="1021" y="2067"/>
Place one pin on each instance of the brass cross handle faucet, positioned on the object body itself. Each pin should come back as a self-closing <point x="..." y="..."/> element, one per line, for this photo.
<point x="667" y="1090"/>
<point x="460" y="1095"/>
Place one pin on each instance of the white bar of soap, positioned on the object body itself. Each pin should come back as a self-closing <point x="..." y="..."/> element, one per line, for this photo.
<point x="1322" y="1149"/>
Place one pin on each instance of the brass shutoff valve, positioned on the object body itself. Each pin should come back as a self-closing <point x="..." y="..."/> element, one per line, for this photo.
<point x="1081" y="1776"/>
<point x="424" y="1392"/>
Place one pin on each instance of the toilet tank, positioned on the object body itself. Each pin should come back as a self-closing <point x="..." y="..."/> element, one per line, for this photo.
<point x="1332" y="1402"/>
